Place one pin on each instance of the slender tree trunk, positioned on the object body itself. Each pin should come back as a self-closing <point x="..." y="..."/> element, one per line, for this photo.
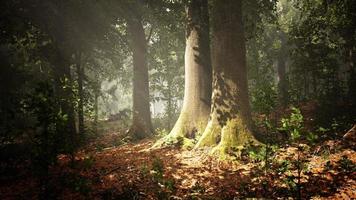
<point x="281" y="68"/>
<point x="169" y="105"/>
<point x="141" y="122"/>
<point x="96" y="106"/>
<point x="230" y="118"/>
<point x="64" y="95"/>
<point x="80" y="72"/>
<point x="306" y="85"/>
<point x="197" y="93"/>
<point x="351" y="72"/>
<point x="315" y="85"/>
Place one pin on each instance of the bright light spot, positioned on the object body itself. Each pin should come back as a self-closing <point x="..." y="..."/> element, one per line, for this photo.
<point x="111" y="176"/>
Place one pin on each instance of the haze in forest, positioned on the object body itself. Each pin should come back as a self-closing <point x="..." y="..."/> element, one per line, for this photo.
<point x="177" y="99"/>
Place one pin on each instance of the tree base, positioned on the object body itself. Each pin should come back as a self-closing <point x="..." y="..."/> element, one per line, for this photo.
<point x="234" y="136"/>
<point x="183" y="133"/>
<point x="168" y="141"/>
<point x="138" y="133"/>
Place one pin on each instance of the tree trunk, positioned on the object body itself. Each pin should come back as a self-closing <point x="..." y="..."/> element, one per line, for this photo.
<point x="169" y="105"/>
<point x="64" y="96"/>
<point x="350" y="57"/>
<point x="197" y="92"/>
<point x="80" y="72"/>
<point x="230" y="119"/>
<point x="306" y="86"/>
<point x="141" y="122"/>
<point x="96" y="105"/>
<point x="281" y="68"/>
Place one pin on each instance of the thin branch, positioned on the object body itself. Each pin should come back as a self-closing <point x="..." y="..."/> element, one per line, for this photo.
<point x="149" y="35"/>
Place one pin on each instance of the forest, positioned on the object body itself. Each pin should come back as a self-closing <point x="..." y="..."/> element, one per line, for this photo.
<point x="177" y="99"/>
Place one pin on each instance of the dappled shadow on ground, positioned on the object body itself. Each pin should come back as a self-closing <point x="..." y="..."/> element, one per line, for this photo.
<point x="133" y="171"/>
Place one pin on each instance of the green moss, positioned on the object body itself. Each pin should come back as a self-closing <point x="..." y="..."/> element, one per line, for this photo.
<point x="181" y="129"/>
<point x="188" y="143"/>
<point x="234" y="135"/>
<point x="210" y="135"/>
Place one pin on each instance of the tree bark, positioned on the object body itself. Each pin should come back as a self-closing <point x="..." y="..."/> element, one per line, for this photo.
<point x="230" y="119"/>
<point x="197" y="92"/>
<point x="350" y="59"/>
<point x="80" y="73"/>
<point x="96" y="104"/>
<point x="64" y="96"/>
<point x="169" y="105"/>
<point x="281" y="69"/>
<point x="141" y="122"/>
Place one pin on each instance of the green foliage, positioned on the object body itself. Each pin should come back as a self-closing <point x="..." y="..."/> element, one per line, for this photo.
<point x="160" y="133"/>
<point x="312" y="137"/>
<point x="283" y="167"/>
<point x="258" y="153"/>
<point x="290" y="181"/>
<point x="198" y="188"/>
<point x="293" y="125"/>
<point x="255" y="153"/>
<point x="261" y="72"/>
<point x="291" y="170"/>
<point x="44" y="141"/>
<point x="263" y="98"/>
<point x="38" y="83"/>
<point x="165" y="186"/>
<point x="145" y="170"/>
<point x="346" y="164"/>
<point x="170" y="184"/>
<point x="323" y="35"/>
<point x="165" y="120"/>
<point x="158" y="168"/>
<point x="167" y="61"/>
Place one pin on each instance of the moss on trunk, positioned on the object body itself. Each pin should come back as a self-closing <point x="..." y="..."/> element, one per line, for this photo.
<point x="197" y="93"/>
<point x="230" y="120"/>
<point x="183" y="133"/>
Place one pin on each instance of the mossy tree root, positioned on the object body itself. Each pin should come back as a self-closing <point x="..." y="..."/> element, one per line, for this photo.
<point x="228" y="141"/>
<point x="183" y="133"/>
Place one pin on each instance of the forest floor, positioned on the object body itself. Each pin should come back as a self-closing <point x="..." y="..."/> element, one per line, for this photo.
<point x="105" y="169"/>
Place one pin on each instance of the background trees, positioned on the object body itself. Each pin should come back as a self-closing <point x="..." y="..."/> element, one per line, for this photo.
<point x="294" y="52"/>
<point x="73" y="71"/>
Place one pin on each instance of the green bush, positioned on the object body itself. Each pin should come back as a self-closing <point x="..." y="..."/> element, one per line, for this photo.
<point x="293" y="125"/>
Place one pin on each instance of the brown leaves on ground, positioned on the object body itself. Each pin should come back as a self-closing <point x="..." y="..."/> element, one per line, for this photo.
<point x="133" y="171"/>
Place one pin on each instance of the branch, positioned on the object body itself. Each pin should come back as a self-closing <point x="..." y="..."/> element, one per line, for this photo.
<point x="149" y="35"/>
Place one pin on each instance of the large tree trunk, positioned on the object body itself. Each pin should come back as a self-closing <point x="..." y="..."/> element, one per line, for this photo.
<point x="141" y="122"/>
<point x="197" y="93"/>
<point x="230" y="119"/>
